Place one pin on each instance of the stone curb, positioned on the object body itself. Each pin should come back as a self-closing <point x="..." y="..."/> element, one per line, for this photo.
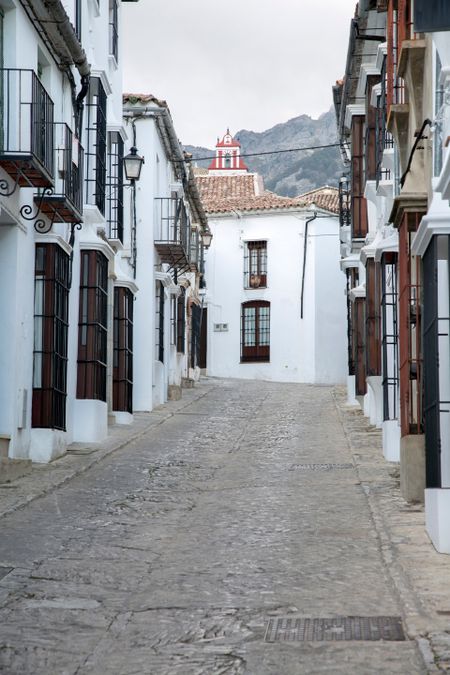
<point x="45" y="478"/>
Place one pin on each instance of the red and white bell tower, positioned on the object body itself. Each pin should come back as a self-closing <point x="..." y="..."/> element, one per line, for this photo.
<point x="227" y="159"/>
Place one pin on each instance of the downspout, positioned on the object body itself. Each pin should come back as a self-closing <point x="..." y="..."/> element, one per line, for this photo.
<point x="419" y="137"/>
<point x="59" y="15"/>
<point x="57" y="26"/>
<point x="305" y="245"/>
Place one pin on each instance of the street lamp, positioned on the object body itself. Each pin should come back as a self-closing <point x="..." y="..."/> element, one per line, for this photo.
<point x="133" y="164"/>
<point x="207" y="238"/>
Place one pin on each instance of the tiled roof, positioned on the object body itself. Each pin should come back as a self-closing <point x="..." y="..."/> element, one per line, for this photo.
<point x="143" y="98"/>
<point x="221" y="194"/>
<point x="326" y="198"/>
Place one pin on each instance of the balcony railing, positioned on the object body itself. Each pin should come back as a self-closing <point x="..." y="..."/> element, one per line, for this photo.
<point x="65" y="202"/>
<point x="172" y="231"/>
<point x="344" y="202"/>
<point x="26" y="129"/>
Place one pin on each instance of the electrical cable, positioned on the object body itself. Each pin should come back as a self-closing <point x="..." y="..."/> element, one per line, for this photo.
<point x="268" y="152"/>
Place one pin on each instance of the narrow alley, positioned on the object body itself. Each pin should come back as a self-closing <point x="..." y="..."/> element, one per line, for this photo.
<point x="206" y="545"/>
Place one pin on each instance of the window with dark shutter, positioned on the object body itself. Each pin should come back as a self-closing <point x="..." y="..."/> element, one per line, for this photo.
<point x="255" y="264"/>
<point x="96" y="145"/>
<point x="255" y="331"/>
<point x="123" y="350"/>
<point x="92" y="327"/>
<point x="51" y="317"/>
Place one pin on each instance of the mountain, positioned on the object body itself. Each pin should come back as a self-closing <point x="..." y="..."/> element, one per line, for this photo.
<point x="291" y="173"/>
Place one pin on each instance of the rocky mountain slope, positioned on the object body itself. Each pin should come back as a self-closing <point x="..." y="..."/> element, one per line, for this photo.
<point x="290" y="173"/>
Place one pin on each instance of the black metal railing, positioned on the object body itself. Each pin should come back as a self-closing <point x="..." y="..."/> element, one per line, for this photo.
<point x="96" y="142"/>
<point x="26" y="118"/>
<point x="345" y="215"/>
<point x="389" y="345"/>
<point x="114" y="188"/>
<point x="70" y="163"/>
<point x="172" y="224"/>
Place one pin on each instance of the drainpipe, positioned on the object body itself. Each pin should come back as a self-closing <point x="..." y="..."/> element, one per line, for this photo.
<point x="305" y="245"/>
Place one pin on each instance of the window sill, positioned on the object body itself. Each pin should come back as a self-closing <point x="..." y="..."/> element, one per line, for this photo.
<point x="255" y="361"/>
<point x="113" y="63"/>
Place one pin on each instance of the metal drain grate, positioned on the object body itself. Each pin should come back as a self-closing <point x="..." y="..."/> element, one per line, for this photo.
<point x="319" y="467"/>
<point x="341" y="628"/>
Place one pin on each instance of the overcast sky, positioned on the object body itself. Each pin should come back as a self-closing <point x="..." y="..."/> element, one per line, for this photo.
<point x="246" y="64"/>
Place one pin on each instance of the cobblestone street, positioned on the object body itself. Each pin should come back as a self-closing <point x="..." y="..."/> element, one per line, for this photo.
<point x="171" y="555"/>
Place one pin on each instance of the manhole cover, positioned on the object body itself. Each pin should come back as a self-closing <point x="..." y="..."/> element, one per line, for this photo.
<point x="341" y="628"/>
<point x="319" y="467"/>
<point x="4" y="571"/>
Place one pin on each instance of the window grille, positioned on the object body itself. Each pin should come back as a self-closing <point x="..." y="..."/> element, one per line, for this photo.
<point x="359" y="346"/>
<point x="255" y="331"/>
<point x="436" y="324"/>
<point x="196" y="325"/>
<point x="160" y="321"/>
<point x="384" y="139"/>
<point x="181" y="321"/>
<point x="123" y="350"/>
<point x="372" y="337"/>
<point x="344" y="201"/>
<point x="410" y="327"/>
<point x="96" y="141"/>
<point x="114" y="203"/>
<point x="173" y="320"/>
<point x="51" y="321"/>
<point x="113" y="29"/>
<point x="389" y="299"/>
<point x="255" y="264"/>
<point x="352" y="282"/>
<point x="92" y="327"/>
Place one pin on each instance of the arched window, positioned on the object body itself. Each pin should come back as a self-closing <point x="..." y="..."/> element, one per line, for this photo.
<point x="255" y="331"/>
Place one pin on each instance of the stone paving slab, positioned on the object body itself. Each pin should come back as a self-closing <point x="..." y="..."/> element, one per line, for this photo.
<point x="81" y="456"/>
<point x="168" y="549"/>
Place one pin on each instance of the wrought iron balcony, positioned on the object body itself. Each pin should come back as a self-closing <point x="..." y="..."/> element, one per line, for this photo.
<point x="172" y="231"/>
<point x="344" y="202"/>
<point x="64" y="203"/>
<point x="26" y="130"/>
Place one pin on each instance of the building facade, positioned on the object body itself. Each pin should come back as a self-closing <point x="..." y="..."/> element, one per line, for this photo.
<point x="275" y="295"/>
<point x="392" y="113"/>
<point x="74" y="241"/>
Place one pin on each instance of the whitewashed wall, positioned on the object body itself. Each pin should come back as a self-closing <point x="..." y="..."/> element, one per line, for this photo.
<point x="312" y="349"/>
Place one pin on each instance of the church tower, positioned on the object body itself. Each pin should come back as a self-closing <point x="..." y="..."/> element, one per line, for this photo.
<point x="227" y="159"/>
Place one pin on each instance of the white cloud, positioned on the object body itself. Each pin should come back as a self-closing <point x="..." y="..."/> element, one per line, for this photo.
<point x="238" y="63"/>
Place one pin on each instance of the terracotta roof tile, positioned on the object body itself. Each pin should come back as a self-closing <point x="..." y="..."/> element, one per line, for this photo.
<point x="326" y="198"/>
<point x="221" y="194"/>
<point x="143" y="98"/>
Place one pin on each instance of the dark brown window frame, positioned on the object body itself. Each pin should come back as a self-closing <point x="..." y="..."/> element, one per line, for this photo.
<point x="96" y="145"/>
<point x="114" y="203"/>
<point x="92" y="326"/>
<point x="255" y="264"/>
<point x="51" y="324"/>
<point x="253" y="331"/>
<point x="181" y="322"/>
<point x="123" y="350"/>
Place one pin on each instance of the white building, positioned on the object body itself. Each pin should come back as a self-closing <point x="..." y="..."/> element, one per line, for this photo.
<point x="275" y="292"/>
<point x="170" y="222"/>
<point x="73" y="247"/>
